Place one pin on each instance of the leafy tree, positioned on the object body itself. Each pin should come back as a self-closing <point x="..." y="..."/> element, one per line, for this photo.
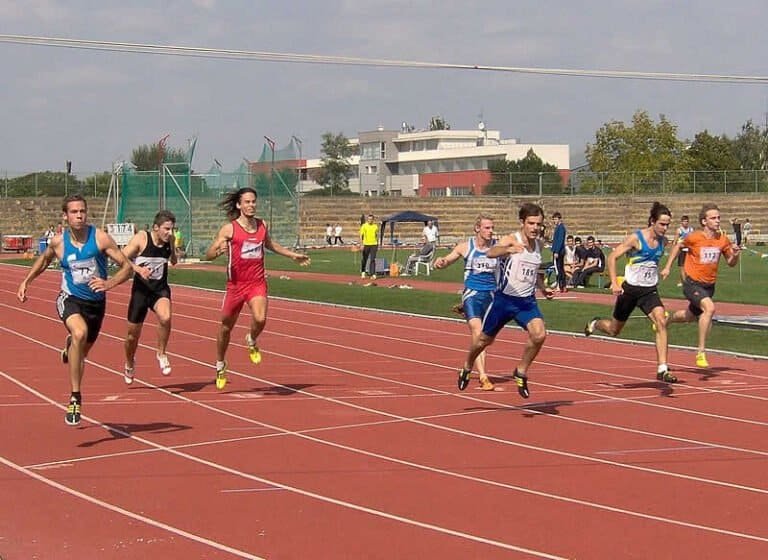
<point x="98" y="183"/>
<point x="335" y="165"/>
<point x="638" y="153"/>
<point x="750" y="147"/>
<point x="712" y="153"/>
<point x="523" y="176"/>
<point x="438" y="123"/>
<point x="147" y="157"/>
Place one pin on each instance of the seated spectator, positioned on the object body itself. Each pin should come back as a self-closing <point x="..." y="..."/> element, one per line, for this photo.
<point x="579" y="252"/>
<point x="424" y="254"/>
<point x="569" y="258"/>
<point x="594" y="261"/>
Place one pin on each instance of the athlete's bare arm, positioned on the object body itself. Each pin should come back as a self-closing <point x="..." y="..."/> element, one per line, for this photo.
<point x="220" y="243"/>
<point x="458" y="252"/>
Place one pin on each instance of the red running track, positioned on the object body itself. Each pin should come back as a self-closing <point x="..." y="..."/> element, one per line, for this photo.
<point x="350" y="440"/>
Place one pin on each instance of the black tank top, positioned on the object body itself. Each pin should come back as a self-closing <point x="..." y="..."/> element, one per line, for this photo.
<point x="155" y="258"/>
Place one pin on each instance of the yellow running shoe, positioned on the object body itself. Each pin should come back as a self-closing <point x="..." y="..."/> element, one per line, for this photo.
<point x="485" y="384"/>
<point x="701" y="360"/>
<point x="253" y="350"/>
<point x="221" y="376"/>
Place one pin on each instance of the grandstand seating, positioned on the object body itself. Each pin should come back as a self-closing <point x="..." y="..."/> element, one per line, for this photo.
<point x="607" y="217"/>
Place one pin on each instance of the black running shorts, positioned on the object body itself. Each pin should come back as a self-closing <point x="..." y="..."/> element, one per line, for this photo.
<point x="645" y="297"/>
<point x="92" y="312"/>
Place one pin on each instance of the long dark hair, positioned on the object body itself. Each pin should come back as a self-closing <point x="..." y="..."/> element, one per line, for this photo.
<point x="658" y="210"/>
<point x="230" y="201"/>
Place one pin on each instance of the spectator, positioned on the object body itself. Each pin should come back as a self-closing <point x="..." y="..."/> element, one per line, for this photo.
<point x="430" y="233"/>
<point x="569" y="260"/>
<point x="594" y="261"/>
<point x="579" y="252"/>
<point x="337" y="235"/>
<point x="424" y="254"/>
<point x="369" y="238"/>
<point x="683" y="231"/>
<point x="558" y="249"/>
<point x="736" y="230"/>
<point x="746" y="231"/>
<point x="328" y="234"/>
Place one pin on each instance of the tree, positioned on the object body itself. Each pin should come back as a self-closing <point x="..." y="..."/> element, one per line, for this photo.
<point x="335" y="165"/>
<point x="438" y="123"/>
<point x="638" y="154"/>
<point x="148" y="157"/>
<point x="523" y="176"/>
<point x="712" y="153"/>
<point x="750" y="147"/>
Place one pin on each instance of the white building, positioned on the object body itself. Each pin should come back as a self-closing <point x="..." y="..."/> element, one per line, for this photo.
<point x="435" y="162"/>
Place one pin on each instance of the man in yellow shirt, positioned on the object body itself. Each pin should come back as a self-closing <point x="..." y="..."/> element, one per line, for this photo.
<point x="369" y="238"/>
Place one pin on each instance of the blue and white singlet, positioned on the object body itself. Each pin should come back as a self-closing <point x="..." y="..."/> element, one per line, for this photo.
<point x="79" y="265"/>
<point x="518" y="272"/>
<point x="479" y="270"/>
<point x="643" y="265"/>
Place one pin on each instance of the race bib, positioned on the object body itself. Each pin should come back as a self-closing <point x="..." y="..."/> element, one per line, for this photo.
<point x="155" y="265"/>
<point x="526" y="272"/>
<point x="709" y="255"/>
<point x="251" y="250"/>
<point x="83" y="270"/>
<point x="483" y="264"/>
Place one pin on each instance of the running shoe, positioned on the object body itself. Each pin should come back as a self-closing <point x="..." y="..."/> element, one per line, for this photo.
<point x="589" y="328"/>
<point x="72" y="417"/>
<point x="128" y="373"/>
<point x="701" y="360"/>
<point x="464" y="378"/>
<point x="65" y="350"/>
<point x="253" y="350"/>
<point x="666" y="377"/>
<point x="362" y="275"/>
<point x="485" y="384"/>
<point x="522" y="384"/>
<point x="221" y="376"/>
<point x="164" y="363"/>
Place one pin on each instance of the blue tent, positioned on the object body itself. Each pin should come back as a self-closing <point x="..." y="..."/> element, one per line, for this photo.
<point x="406" y="216"/>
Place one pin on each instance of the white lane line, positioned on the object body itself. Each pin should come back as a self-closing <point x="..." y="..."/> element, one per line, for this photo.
<point x="653" y="450"/>
<point x="272" y="483"/>
<point x="127" y="513"/>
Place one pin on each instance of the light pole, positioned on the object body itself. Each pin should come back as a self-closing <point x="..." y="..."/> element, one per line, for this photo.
<point x="271" y="177"/>
<point x="301" y="162"/>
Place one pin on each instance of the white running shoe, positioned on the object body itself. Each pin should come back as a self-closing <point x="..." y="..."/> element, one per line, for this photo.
<point x="165" y="364"/>
<point x="128" y="373"/>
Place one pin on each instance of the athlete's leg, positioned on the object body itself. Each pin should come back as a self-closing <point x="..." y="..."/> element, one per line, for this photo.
<point x="537" y="334"/>
<point x="659" y="320"/>
<point x="131" y="343"/>
<point x="705" y="321"/>
<point x="223" y="336"/>
<point x="611" y="327"/>
<point x="258" y="306"/>
<point x="476" y="347"/>
<point x="163" y="312"/>
<point x="78" y="349"/>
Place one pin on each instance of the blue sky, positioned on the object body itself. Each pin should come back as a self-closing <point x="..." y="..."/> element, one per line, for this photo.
<point x="93" y="108"/>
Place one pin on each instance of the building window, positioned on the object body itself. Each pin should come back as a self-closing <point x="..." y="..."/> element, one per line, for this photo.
<point x="371" y="169"/>
<point x="461" y="191"/>
<point x="383" y="150"/>
<point x="370" y="151"/>
<point x="437" y="192"/>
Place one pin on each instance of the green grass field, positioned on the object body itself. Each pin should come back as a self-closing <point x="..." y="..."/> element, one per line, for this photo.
<point x="560" y="315"/>
<point x="747" y="285"/>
